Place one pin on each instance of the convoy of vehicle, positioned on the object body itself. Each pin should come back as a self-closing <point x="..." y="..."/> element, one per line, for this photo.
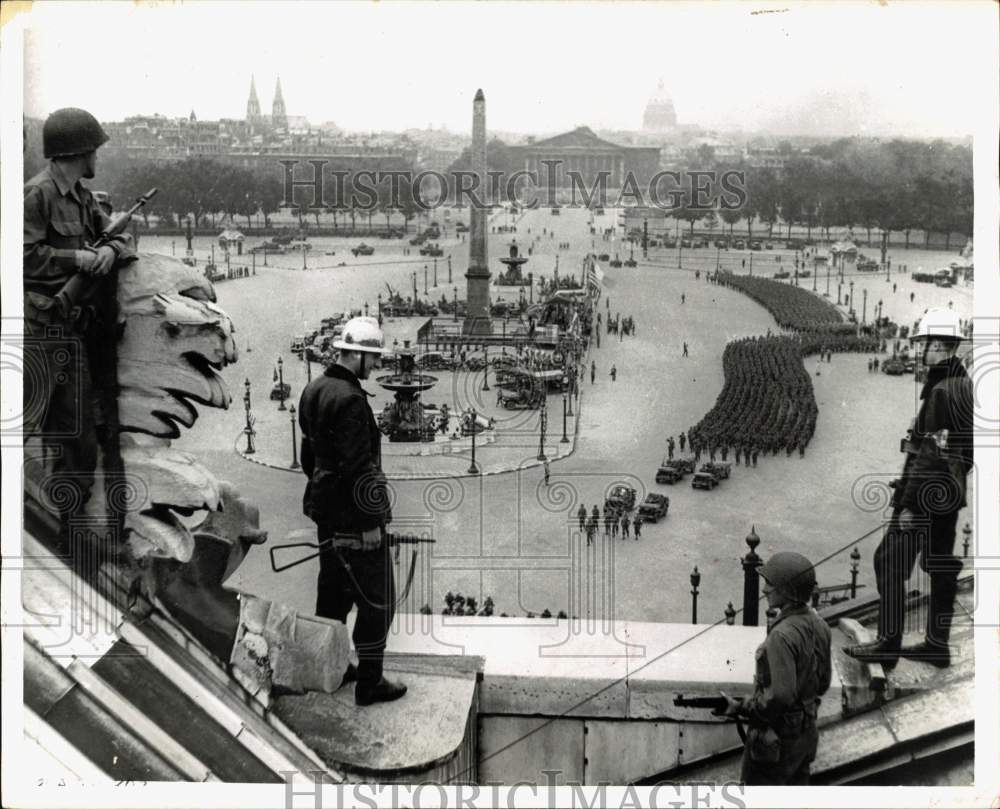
<point x="653" y="507"/>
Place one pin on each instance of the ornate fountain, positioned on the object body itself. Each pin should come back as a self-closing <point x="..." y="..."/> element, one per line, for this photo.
<point x="404" y="419"/>
<point x="513" y="263"/>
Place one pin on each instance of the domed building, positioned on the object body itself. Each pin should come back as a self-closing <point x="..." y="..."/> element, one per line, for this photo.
<point x="660" y="115"/>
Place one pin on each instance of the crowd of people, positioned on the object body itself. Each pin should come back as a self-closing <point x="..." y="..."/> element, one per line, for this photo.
<point x="767" y="402"/>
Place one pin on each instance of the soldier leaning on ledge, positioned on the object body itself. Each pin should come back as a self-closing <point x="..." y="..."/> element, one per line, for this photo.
<point x="793" y="671"/>
<point x="61" y="217"/>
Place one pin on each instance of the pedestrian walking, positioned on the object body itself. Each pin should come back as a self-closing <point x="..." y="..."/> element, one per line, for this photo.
<point x="637" y="526"/>
<point x="593" y="371"/>
<point x="581" y="515"/>
<point x="681" y="438"/>
<point x="625" y="525"/>
<point x="685" y="350"/>
<point x="682" y="298"/>
<point x="670" y="447"/>
<point x="614" y="373"/>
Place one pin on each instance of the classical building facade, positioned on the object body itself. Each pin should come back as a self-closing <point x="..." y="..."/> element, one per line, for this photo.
<point x="584" y="152"/>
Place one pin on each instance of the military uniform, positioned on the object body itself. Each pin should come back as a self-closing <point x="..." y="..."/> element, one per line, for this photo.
<point x="792" y="673"/>
<point x="60" y="218"/>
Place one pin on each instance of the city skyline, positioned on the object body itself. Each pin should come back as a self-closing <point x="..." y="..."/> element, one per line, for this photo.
<point x="802" y="74"/>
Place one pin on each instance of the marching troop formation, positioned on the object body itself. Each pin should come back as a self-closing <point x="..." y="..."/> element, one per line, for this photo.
<point x="767" y="403"/>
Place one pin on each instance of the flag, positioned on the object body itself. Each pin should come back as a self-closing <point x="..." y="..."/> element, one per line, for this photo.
<point x="595" y="275"/>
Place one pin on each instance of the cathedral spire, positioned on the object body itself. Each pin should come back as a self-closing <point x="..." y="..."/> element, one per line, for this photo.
<point x="279" y="118"/>
<point x="253" y="105"/>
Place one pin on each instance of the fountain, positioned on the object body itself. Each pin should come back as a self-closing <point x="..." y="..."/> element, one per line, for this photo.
<point x="513" y="263"/>
<point x="404" y="419"/>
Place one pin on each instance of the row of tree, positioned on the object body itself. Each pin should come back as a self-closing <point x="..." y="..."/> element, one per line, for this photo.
<point x="899" y="185"/>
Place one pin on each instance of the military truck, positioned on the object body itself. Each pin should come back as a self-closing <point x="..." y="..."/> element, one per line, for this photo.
<point x="654" y="507"/>
<point x="719" y="470"/>
<point x="621" y="497"/>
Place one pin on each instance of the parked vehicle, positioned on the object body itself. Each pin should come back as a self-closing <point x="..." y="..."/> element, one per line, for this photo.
<point x="719" y="470"/>
<point x="603" y="257"/>
<point x="686" y="242"/>
<point x="653" y="507"/>
<point x="722" y="244"/>
<point x="739" y="244"/>
<point x="280" y="391"/>
<point x="615" y="262"/>
<point x="431" y="250"/>
<point x="782" y="274"/>
<point x="703" y="480"/>
<point x="363" y="250"/>
<point x="621" y="497"/>
<point x="756" y="245"/>
<point x="630" y="262"/>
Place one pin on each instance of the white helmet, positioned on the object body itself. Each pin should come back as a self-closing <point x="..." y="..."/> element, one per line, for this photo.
<point x="361" y="334"/>
<point x="938" y="322"/>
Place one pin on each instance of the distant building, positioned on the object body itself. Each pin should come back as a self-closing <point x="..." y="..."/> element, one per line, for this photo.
<point x="581" y="150"/>
<point x="659" y="115"/>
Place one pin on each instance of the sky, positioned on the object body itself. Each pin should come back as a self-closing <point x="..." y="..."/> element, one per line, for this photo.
<point x="817" y="68"/>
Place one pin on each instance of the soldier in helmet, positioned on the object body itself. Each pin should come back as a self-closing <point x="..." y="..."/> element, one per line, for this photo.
<point x="793" y="672"/>
<point x="347" y="498"/>
<point x="926" y="501"/>
<point x="61" y="220"/>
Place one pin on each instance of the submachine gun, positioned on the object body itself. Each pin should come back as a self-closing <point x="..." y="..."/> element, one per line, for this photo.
<point x="72" y="297"/>
<point x="717" y="705"/>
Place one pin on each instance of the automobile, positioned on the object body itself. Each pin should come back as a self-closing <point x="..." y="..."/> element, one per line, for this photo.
<point x="756" y="245"/>
<point x="700" y="243"/>
<point x="521" y="398"/>
<point x="867" y="265"/>
<point x="720" y="470"/>
<point x="461" y="227"/>
<point x="431" y="360"/>
<point x="909" y="364"/>
<point x="555" y="212"/>
<point x="280" y="391"/>
<point x="782" y="274"/>
<point x="599" y="212"/>
<point x="768" y="245"/>
<point x="503" y="361"/>
<point x="653" y="507"/>
<point x="670" y="243"/>
<point x="213" y="273"/>
<point x="739" y="244"/>
<point x="431" y="250"/>
<point x="418" y="239"/>
<point x="669" y="474"/>
<point x="603" y="257"/>
<point x="363" y="250"/>
<point x="686" y="242"/>
<point x="298" y="345"/>
<point x="893" y="367"/>
<point x="615" y="262"/>
<point x="805" y="273"/>
<point x="722" y="244"/>
<point x="793" y="244"/>
<point x="630" y="262"/>
<point x="474" y="363"/>
<point x="703" y="480"/>
<point x="621" y="497"/>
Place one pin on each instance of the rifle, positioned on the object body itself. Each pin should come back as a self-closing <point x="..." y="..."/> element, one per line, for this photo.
<point x="715" y="704"/>
<point x="80" y="286"/>
<point x="341" y="541"/>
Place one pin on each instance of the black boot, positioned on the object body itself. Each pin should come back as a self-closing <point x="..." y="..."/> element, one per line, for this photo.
<point x="934" y="647"/>
<point x="368" y="693"/>
<point x="883" y="650"/>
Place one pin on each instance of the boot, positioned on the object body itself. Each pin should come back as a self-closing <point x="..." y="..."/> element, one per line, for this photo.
<point x="367" y="693"/>
<point x="883" y="650"/>
<point x="934" y="647"/>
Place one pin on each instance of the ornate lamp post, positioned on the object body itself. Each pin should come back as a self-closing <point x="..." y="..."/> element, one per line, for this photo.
<point x="565" y="397"/>
<point x="864" y="304"/>
<point x="248" y="429"/>
<point x="966" y="540"/>
<point x="449" y="268"/>
<point x="455" y="310"/>
<point x="543" y="419"/>
<point x="486" y="370"/>
<point x="473" y="467"/>
<point x="851" y="307"/>
<point x="827" y="293"/>
<point x="435" y="273"/>
<point x="695" y="581"/>
<point x="246" y="385"/>
<point x="571" y="375"/>
<point x="281" y="385"/>
<point x="838" y="292"/>
<point x="380" y="308"/>
<point x="751" y="580"/>
<point x="295" y="449"/>
<point x="730" y="613"/>
<point x="855" y="561"/>
<point x="425" y="280"/>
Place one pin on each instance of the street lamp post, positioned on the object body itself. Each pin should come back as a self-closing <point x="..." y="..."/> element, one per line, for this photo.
<point x="281" y="385"/>
<point x="455" y="310"/>
<point x="295" y="449"/>
<point x="246" y="385"/>
<point x="473" y="467"/>
<point x="855" y="561"/>
<point x="966" y="540"/>
<point x="542" y="424"/>
<point x="851" y="307"/>
<point x="864" y="304"/>
<point x="565" y="398"/>
<point x="486" y="370"/>
<point x="827" y="294"/>
<point x="695" y="581"/>
<point x="248" y="429"/>
<point x="573" y="387"/>
<point x="839" y="286"/>
<point x="449" y="268"/>
<point x="751" y="580"/>
<point x="425" y="280"/>
<point x="435" y="272"/>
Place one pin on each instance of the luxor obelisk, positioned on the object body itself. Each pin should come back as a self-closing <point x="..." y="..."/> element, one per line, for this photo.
<point x="477" y="288"/>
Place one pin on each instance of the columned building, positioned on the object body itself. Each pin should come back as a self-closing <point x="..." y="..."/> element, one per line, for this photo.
<point x="584" y="152"/>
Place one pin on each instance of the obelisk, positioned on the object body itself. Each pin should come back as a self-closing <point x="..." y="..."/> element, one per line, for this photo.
<point x="477" y="287"/>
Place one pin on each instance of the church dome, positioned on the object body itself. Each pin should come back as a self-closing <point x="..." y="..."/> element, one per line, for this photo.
<point x="659" y="115"/>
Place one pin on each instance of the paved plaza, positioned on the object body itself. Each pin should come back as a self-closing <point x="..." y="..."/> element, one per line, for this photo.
<point x="505" y="534"/>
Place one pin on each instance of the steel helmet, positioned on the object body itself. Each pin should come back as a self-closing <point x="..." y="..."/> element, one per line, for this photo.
<point x="938" y="322"/>
<point x="361" y="334"/>
<point x="791" y="574"/>
<point x="71" y="131"/>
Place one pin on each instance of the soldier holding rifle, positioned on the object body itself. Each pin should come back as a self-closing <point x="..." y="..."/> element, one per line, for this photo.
<point x="69" y="242"/>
